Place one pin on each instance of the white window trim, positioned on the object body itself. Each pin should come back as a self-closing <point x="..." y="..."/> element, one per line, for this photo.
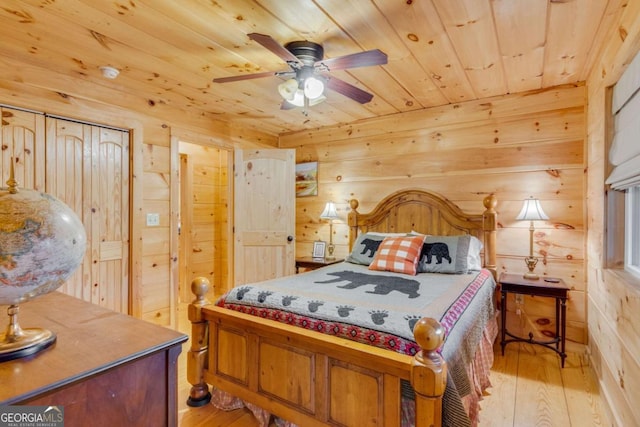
<point x="632" y="231"/>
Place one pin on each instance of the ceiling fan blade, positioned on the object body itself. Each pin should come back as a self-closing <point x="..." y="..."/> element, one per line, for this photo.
<point x="349" y="90"/>
<point x="361" y="59"/>
<point x="275" y="47"/>
<point x="245" y="77"/>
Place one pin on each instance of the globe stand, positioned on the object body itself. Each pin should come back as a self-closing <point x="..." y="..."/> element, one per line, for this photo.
<point x="17" y="342"/>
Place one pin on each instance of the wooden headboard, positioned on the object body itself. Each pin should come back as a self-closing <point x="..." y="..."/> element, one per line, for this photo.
<point x="428" y="213"/>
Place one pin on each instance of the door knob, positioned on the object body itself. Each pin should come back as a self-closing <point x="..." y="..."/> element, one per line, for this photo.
<point x="289" y="238"/>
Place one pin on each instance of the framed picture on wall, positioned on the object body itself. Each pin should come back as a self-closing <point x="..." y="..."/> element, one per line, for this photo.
<point x="307" y="179"/>
<point x="318" y="249"/>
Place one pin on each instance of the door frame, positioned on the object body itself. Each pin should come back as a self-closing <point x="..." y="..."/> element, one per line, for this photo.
<point x="184" y="227"/>
<point x="178" y="135"/>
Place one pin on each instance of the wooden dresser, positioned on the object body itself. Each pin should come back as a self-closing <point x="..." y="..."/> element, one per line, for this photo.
<point x="105" y="369"/>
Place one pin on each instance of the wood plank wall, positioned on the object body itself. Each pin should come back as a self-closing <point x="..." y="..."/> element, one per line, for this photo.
<point x="157" y="298"/>
<point x="516" y="146"/>
<point x="613" y="298"/>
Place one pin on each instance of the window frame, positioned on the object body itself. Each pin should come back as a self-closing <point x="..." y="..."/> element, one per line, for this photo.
<point x="632" y="231"/>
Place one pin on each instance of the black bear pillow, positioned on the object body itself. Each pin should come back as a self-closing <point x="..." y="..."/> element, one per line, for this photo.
<point x="366" y="246"/>
<point x="449" y="254"/>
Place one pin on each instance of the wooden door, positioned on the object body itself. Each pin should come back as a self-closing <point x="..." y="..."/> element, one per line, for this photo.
<point x="88" y="168"/>
<point x="22" y="143"/>
<point x="264" y="218"/>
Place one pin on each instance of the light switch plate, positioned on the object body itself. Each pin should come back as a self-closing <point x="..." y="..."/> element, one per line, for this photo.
<point x="153" y="219"/>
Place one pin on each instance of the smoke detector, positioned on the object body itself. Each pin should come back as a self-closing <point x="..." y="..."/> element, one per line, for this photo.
<point x="109" y="72"/>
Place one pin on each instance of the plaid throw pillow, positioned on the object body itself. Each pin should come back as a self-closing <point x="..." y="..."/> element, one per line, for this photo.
<point x="398" y="254"/>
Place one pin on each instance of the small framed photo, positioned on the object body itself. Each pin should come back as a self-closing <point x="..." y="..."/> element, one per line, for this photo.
<point x="318" y="249"/>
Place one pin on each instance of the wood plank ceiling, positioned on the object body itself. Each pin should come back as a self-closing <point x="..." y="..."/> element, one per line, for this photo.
<point x="168" y="52"/>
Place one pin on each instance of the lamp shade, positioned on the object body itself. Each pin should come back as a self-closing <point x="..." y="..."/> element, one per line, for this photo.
<point x="313" y="87"/>
<point x="288" y="89"/>
<point x="532" y="211"/>
<point x="329" y="211"/>
<point x="297" y="99"/>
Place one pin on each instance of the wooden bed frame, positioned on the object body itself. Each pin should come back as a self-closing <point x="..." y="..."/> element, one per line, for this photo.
<point x="335" y="381"/>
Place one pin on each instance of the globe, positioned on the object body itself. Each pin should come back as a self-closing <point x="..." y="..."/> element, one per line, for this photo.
<point x="42" y="243"/>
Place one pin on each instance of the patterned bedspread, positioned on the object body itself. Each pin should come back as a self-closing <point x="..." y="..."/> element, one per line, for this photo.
<point x="380" y="309"/>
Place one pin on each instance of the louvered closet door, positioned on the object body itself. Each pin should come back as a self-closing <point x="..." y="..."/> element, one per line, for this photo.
<point x="88" y="168"/>
<point x="22" y="143"/>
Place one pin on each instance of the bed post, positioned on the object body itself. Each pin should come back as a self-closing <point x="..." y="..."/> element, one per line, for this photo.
<point x="428" y="372"/>
<point x="489" y="225"/>
<point x="352" y="219"/>
<point x="199" y="394"/>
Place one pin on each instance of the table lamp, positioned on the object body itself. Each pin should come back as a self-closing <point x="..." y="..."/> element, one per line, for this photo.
<point x="330" y="214"/>
<point x="531" y="211"/>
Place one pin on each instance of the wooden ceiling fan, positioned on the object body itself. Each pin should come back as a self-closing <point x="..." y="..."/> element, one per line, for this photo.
<point x="309" y="71"/>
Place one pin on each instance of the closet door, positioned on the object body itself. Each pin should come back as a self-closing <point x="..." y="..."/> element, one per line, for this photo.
<point x="88" y="168"/>
<point x="22" y="143"/>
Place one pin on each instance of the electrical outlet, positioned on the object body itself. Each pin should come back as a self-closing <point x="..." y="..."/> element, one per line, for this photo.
<point x="153" y="219"/>
<point x="519" y="299"/>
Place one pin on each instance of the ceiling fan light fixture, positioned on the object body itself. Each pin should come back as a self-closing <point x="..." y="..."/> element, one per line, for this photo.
<point x="299" y="98"/>
<point x="317" y="100"/>
<point x="288" y="89"/>
<point x="313" y="88"/>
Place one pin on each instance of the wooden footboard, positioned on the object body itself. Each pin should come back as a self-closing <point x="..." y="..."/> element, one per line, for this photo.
<point x="309" y="378"/>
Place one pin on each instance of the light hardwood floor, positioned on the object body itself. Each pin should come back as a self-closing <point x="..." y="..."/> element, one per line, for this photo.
<point x="528" y="389"/>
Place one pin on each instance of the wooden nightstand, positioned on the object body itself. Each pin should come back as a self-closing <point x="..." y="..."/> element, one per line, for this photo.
<point x="311" y="263"/>
<point x="543" y="287"/>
